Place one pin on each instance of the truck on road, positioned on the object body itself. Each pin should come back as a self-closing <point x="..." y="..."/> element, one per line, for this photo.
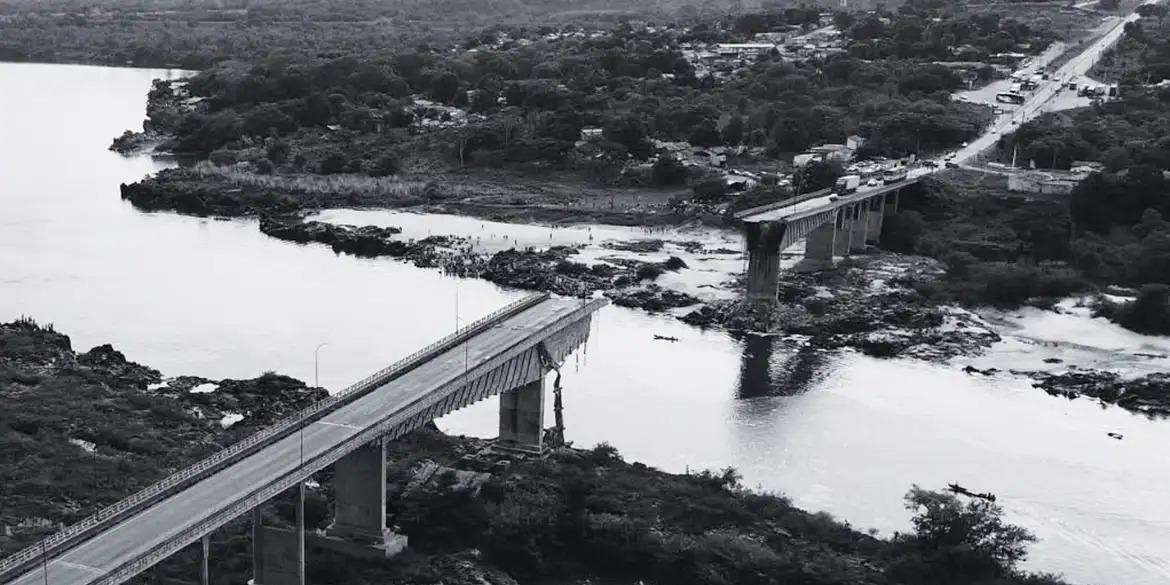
<point x="847" y="184"/>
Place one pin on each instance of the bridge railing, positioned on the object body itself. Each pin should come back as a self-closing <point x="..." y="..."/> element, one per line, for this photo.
<point x="779" y="204"/>
<point x="54" y="544"/>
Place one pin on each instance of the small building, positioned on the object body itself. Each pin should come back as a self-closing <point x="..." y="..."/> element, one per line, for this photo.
<point x="744" y="50"/>
<point x="837" y="152"/>
<point x="591" y="133"/>
<point x="1045" y="182"/>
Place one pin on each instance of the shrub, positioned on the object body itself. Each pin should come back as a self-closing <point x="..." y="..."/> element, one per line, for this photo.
<point x="710" y="190"/>
<point x="1149" y="313"/>
<point x="385" y="166"/>
<point x="668" y="171"/>
<point x="333" y="164"/>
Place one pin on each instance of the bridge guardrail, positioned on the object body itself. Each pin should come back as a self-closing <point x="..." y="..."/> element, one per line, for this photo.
<point x="784" y="203"/>
<point x="53" y="544"/>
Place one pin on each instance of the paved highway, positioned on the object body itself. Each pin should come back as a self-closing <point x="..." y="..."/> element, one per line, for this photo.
<point x="1075" y="67"/>
<point x="168" y="518"/>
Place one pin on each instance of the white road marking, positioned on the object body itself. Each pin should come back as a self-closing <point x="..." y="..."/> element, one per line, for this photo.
<point x="79" y="566"/>
<point x="344" y="426"/>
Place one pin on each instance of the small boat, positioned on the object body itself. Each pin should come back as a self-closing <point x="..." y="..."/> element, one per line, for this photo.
<point x="958" y="489"/>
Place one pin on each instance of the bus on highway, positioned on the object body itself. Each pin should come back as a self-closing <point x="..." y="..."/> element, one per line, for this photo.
<point x="894" y="175"/>
<point x="1008" y="97"/>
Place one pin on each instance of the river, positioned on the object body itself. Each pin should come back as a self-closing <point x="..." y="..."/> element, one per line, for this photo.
<point x="842" y="433"/>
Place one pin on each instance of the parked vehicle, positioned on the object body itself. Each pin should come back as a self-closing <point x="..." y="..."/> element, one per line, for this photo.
<point x="847" y="184"/>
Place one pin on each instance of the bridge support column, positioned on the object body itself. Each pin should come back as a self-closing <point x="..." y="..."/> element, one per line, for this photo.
<point x="205" y="571"/>
<point x="359" y="518"/>
<point x="522" y="417"/>
<point x="844" y="225"/>
<point x="875" y="212"/>
<point x="859" y="231"/>
<point x="763" y="246"/>
<point x="890" y="206"/>
<point x="278" y="554"/>
<point x="359" y="485"/>
<point x="818" y="248"/>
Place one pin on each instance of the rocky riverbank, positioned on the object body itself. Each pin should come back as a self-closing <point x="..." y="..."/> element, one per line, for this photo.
<point x="81" y="430"/>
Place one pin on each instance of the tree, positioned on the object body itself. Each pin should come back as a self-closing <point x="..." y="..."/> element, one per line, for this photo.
<point x="710" y="190"/>
<point x="668" y="171"/>
<point x="733" y="131"/>
<point x="960" y="540"/>
<point x="386" y="165"/>
<point x="628" y="131"/>
<point x="705" y="134"/>
<point x="333" y="164"/>
<point x="1116" y="158"/>
<point x="445" y="87"/>
<point x="278" y="151"/>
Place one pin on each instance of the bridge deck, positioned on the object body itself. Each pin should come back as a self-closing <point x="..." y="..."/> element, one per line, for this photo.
<point x="135" y="536"/>
<point x="825" y="202"/>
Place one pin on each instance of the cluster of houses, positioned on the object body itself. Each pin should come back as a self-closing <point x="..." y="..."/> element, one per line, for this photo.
<point x="720" y="60"/>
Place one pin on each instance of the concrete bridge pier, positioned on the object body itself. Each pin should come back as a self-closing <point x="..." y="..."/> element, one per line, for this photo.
<point x="859" y="227"/>
<point x="875" y="213"/>
<point x="841" y="233"/>
<point x="763" y="247"/>
<point x="819" y="248"/>
<point x="359" y="517"/>
<point x="278" y="554"/>
<point x="522" y="417"/>
<point x="890" y="205"/>
<point x="204" y="566"/>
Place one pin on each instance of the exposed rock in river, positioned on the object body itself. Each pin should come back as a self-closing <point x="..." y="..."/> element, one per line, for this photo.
<point x="1149" y="394"/>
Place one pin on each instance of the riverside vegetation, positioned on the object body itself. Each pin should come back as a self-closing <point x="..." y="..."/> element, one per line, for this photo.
<point x="472" y="517"/>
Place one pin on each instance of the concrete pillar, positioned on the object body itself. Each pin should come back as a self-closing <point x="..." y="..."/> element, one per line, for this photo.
<point x="278" y="554"/>
<point x="874" y="215"/>
<point x="522" y="416"/>
<point x="205" y="572"/>
<point x="300" y="532"/>
<point x="891" y="204"/>
<point x="763" y="246"/>
<point x="257" y="545"/>
<point x="844" y="225"/>
<point x="860" y="227"/>
<point x="818" y="248"/>
<point x="359" y="485"/>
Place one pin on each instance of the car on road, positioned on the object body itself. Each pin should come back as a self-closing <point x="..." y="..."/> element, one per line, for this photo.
<point x="930" y="164"/>
<point x="949" y="156"/>
<point x="873" y="183"/>
<point x="951" y="165"/>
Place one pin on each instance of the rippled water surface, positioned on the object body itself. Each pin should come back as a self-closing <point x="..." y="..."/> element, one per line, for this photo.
<point x="842" y="433"/>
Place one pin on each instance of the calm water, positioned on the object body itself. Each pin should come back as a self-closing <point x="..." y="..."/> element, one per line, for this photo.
<point x="842" y="433"/>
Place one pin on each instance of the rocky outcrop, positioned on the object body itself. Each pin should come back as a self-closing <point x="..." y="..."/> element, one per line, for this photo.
<point x="1149" y="394"/>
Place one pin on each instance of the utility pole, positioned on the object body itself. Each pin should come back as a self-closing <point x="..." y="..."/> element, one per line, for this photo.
<point x="316" y="384"/>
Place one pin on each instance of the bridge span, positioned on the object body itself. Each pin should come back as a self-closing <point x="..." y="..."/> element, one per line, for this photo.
<point x="833" y="225"/>
<point x="507" y="353"/>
